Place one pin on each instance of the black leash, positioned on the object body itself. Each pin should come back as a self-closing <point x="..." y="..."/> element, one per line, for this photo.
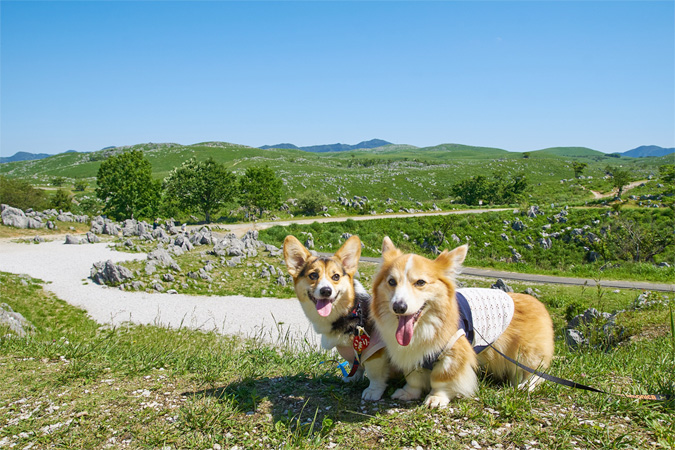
<point x="575" y="385"/>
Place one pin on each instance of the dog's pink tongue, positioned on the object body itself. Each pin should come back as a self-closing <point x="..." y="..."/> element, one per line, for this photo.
<point x="404" y="331"/>
<point x="323" y="307"/>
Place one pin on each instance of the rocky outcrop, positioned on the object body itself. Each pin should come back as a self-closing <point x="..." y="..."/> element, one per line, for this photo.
<point x="107" y="272"/>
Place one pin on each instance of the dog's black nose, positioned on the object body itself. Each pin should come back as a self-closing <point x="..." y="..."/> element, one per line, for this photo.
<point x="400" y="306"/>
<point x="325" y="291"/>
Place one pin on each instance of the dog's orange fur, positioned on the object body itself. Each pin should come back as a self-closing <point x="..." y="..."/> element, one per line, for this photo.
<point x="528" y="338"/>
<point x="344" y="263"/>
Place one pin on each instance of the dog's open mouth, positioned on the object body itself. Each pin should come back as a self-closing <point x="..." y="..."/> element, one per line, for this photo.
<point x="324" y="306"/>
<point x="406" y="325"/>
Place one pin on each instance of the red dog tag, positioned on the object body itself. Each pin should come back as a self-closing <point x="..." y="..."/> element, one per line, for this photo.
<point x="361" y="343"/>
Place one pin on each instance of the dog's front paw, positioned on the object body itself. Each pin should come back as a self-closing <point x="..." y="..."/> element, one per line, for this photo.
<point x="436" y="401"/>
<point x="358" y="376"/>
<point x="372" y="394"/>
<point x="406" y="394"/>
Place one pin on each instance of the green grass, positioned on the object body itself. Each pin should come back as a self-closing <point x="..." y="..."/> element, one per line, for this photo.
<point x="487" y="248"/>
<point x="61" y="228"/>
<point x="76" y="384"/>
<point x="244" y="279"/>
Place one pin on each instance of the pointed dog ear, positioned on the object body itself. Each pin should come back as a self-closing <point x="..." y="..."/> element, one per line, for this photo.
<point x="295" y="254"/>
<point x="389" y="250"/>
<point x="349" y="254"/>
<point x="451" y="262"/>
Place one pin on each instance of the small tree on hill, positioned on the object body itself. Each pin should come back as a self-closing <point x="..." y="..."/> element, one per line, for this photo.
<point x="201" y="186"/>
<point x="472" y="190"/>
<point x="620" y="178"/>
<point x="80" y="185"/>
<point x="667" y="175"/>
<point x="126" y="187"/>
<point x="311" y="202"/>
<point x="578" y="168"/>
<point x="61" y="200"/>
<point x="58" y="181"/>
<point x="500" y="189"/>
<point x="260" y="189"/>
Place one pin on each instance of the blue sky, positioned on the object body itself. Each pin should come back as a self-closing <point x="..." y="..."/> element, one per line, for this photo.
<point x="515" y="75"/>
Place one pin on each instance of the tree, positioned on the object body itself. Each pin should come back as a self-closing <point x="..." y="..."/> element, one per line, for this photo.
<point x="620" y="178"/>
<point x="500" y="189"/>
<point x="21" y="194"/>
<point x="630" y="240"/>
<point x="260" y="189"/>
<point x="125" y="185"/>
<point x="312" y="202"/>
<point x="80" y="185"/>
<point x="58" y="181"/>
<point x="61" y="200"/>
<point x="472" y="190"/>
<point x="526" y="155"/>
<point x="200" y="186"/>
<point x="667" y="175"/>
<point x="578" y="168"/>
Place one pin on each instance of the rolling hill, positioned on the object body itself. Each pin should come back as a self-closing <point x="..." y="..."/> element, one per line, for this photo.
<point x="399" y="172"/>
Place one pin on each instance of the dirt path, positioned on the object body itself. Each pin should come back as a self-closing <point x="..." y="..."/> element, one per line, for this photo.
<point x="66" y="268"/>
<point x="613" y="192"/>
<point x="240" y="229"/>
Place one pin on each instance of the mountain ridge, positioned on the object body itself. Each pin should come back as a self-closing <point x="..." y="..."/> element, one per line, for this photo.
<point x="23" y="156"/>
<point x="646" y="151"/>
<point x="373" y="143"/>
<point x="638" y="152"/>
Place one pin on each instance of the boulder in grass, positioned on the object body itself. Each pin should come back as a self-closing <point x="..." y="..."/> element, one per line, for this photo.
<point x="15" y="322"/>
<point x="501" y="285"/>
<point x="161" y="256"/>
<point x="14" y="217"/>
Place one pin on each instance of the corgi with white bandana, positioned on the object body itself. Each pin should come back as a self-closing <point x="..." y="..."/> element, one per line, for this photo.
<point x="438" y="335"/>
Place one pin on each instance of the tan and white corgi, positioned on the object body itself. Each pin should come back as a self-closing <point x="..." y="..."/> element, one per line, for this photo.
<point x="437" y="335"/>
<point x="338" y="307"/>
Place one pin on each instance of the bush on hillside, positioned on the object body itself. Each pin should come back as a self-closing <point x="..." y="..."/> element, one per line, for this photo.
<point x="21" y="194"/>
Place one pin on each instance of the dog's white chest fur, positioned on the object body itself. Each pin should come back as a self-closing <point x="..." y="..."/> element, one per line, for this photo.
<point x="491" y="311"/>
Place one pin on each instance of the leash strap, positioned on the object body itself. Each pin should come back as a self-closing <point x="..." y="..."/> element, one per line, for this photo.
<point x="576" y="385"/>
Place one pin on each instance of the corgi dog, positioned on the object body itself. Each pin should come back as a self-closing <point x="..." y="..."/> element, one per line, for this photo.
<point x="439" y="335"/>
<point x="338" y="307"/>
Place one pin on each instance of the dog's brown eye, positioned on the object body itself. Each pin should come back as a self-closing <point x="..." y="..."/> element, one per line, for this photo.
<point x="392" y="282"/>
<point x="336" y="277"/>
<point x="420" y="283"/>
<point x="313" y="276"/>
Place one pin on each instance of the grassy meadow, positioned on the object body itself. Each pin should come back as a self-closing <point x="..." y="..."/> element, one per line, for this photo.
<point x="74" y="383"/>
<point x="77" y="384"/>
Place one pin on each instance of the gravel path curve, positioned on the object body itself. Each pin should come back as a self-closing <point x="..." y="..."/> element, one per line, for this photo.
<point x="65" y="269"/>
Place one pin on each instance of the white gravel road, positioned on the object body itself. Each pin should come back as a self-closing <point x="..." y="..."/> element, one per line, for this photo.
<point x="66" y="269"/>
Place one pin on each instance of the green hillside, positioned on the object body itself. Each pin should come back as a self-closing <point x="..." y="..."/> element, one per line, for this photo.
<point x="569" y="152"/>
<point x="398" y="172"/>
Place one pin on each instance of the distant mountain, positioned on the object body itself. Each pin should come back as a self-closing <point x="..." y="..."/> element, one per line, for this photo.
<point x="23" y="156"/>
<point x="648" y="150"/>
<point x="373" y="143"/>
<point x="286" y="146"/>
